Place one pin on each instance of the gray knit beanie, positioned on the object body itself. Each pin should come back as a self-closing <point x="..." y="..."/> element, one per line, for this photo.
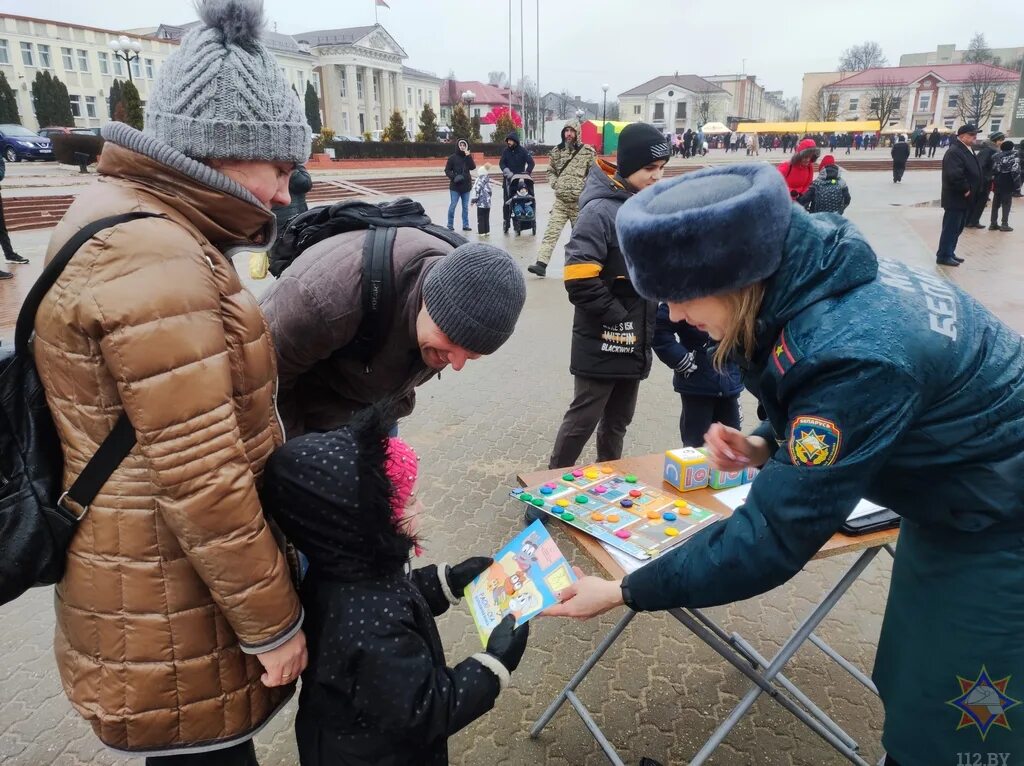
<point x="221" y="94"/>
<point x="475" y="294"/>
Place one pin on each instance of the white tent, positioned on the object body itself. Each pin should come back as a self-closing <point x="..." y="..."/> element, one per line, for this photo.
<point x="714" y="128"/>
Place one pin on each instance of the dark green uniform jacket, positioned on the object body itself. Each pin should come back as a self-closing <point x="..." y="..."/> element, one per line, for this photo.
<point x="884" y="382"/>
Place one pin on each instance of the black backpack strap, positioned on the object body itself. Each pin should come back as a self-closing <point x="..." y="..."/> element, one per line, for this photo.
<point x="121" y="439"/>
<point x="101" y="466"/>
<point x="378" y="292"/>
<point x="29" y="309"/>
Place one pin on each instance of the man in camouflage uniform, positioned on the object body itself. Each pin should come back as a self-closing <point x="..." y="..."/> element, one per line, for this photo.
<point x="568" y="166"/>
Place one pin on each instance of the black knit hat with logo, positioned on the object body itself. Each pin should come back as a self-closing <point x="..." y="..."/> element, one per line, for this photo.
<point x="640" y="144"/>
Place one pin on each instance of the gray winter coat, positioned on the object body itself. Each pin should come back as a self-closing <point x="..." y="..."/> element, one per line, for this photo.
<point x="314" y="310"/>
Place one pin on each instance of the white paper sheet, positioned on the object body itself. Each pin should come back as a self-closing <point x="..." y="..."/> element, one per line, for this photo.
<point x="736" y="496"/>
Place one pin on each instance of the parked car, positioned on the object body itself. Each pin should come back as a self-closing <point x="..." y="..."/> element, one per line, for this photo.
<point x="63" y="131"/>
<point x="348" y="138"/>
<point x="19" y="143"/>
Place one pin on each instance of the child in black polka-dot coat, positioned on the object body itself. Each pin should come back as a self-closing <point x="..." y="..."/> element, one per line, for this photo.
<point x="377" y="690"/>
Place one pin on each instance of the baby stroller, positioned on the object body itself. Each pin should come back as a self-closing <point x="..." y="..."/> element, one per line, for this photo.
<point x="522" y="203"/>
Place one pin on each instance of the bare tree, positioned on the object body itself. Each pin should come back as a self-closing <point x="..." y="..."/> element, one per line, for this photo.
<point x="977" y="95"/>
<point x="526" y="90"/>
<point x="792" y="106"/>
<point x="564" y="101"/>
<point x="497" y="78"/>
<point x="978" y="51"/>
<point x="884" y="100"/>
<point x="857" y="58"/>
<point x="613" y="110"/>
<point x="825" y="106"/>
<point x="703" y="107"/>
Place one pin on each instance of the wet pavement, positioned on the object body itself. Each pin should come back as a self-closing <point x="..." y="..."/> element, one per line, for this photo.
<point x="658" y="692"/>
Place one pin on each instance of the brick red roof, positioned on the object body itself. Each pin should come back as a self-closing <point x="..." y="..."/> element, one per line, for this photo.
<point x="905" y="75"/>
<point x="452" y="90"/>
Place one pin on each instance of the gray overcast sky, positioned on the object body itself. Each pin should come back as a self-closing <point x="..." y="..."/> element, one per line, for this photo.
<point x="584" y="44"/>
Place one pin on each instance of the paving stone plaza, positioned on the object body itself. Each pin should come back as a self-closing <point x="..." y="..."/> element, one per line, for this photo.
<point x="659" y="692"/>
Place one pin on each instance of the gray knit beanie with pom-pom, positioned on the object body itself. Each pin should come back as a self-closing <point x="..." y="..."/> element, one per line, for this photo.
<point x="221" y="95"/>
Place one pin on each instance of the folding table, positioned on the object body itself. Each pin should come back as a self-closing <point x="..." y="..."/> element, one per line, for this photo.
<point x="766" y="675"/>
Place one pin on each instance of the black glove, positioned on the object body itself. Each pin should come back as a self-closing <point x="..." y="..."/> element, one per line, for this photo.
<point x="507" y="642"/>
<point x="461" y="575"/>
<point x="687" y="365"/>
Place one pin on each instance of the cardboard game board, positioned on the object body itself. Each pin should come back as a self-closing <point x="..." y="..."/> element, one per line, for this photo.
<point x="619" y="510"/>
<point x="523" y="580"/>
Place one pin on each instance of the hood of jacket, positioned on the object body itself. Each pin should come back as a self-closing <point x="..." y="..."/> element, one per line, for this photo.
<point x="570" y="125"/>
<point x="829" y="173"/>
<point x="331" y="497"/>
<point x="604" y="185"/>
<point x="223" y="211"/>
<point x="514" y="137"/>
<point x="805" y="148"/>
<point x="823" y="256"/>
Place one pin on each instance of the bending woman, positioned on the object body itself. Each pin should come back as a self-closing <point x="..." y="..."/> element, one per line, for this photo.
<point x="878" y="381"/>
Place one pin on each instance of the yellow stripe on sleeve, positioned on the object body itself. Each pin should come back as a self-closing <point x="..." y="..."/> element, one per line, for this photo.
<point x="581" y="271"/>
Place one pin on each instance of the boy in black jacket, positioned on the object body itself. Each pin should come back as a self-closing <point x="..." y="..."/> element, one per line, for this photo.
<point x="613" y="326"/>
<point x="377" y="690"/>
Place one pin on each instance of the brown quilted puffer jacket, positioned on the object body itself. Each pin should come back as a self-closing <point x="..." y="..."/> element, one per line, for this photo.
<point x="174" y="579"/>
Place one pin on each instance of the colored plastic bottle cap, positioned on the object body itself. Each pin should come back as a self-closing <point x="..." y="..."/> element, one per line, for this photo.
<point x="538" y="501"/>
<point x="626" y="503"/>
<point x="526" y="497"/>
<point x="606" y="470"/>
<point x="671" y="531"/>
<point x="679" y="503"/>
<point x="685" y="510"/>
<point x="517" y="492"/>
<point x="669" y="516"/>
<point x="562" y="503"/>
<point x="631" y="479"/>
<point x="567" y="516"/>
<point x="582" y="499"/>
<point x="612" y="517"/>
<point x="635" y="493"/>
<point x="600" y="489"/>
<point x="597" y="516"/>
<point x="567" y="477"/>
<point x="551" y="485"/>
<point x="546" y="490"/>
<point x="653" y="515"/>
<point x="623" y="534"/>
<point x="592" y="474"/>
<point x="577" y="473"/>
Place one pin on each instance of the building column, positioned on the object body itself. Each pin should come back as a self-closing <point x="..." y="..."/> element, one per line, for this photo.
<point x="330" y="96"/>
<point x="940" y="104"/>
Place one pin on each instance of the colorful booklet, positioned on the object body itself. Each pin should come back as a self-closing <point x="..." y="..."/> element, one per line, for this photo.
<point x="524" y="579"/>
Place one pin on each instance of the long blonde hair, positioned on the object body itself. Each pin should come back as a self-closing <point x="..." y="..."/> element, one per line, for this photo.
<point x="744" y="304"/>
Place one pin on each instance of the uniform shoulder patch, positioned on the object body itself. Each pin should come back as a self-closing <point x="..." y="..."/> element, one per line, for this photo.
<point x="783" y="354"/>
<point x="814" y="441"/>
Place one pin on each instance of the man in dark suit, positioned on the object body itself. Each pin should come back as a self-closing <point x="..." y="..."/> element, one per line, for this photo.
<point x="961" y="185"/>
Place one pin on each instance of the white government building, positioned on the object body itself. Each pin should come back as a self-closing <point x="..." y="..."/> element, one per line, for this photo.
<point x="357" y="72"/>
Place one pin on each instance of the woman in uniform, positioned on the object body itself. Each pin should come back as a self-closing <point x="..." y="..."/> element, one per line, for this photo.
<point x="878" y="381"/>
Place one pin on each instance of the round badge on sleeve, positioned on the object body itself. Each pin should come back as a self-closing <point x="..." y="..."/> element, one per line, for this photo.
<point x="814" y="441"/>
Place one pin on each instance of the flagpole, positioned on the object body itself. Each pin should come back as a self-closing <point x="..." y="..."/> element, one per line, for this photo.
<point x="375" y="11"/>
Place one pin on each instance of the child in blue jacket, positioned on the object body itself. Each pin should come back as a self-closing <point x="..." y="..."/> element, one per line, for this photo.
<point x="708" y="396"/>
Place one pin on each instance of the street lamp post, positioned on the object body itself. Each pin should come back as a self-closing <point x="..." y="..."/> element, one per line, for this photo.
<point x="468" y="97"/>
<point x="604" y="114"/>
<point x="127" y="50"/>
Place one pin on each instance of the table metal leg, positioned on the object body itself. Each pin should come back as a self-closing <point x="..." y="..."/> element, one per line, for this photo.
<point x="742" y="664"/>
<point x="798" y="695"/>
<point x="788" y="650"/>
<point x="585" y="668"/>
<point x="595" y="730"/>
<point x="748" y="652"/>
<point x="844" y="663"/>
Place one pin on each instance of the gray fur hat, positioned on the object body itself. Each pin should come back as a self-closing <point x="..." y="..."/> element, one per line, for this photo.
<point x="222" y="95"/>
<point x="704" y="233"/>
